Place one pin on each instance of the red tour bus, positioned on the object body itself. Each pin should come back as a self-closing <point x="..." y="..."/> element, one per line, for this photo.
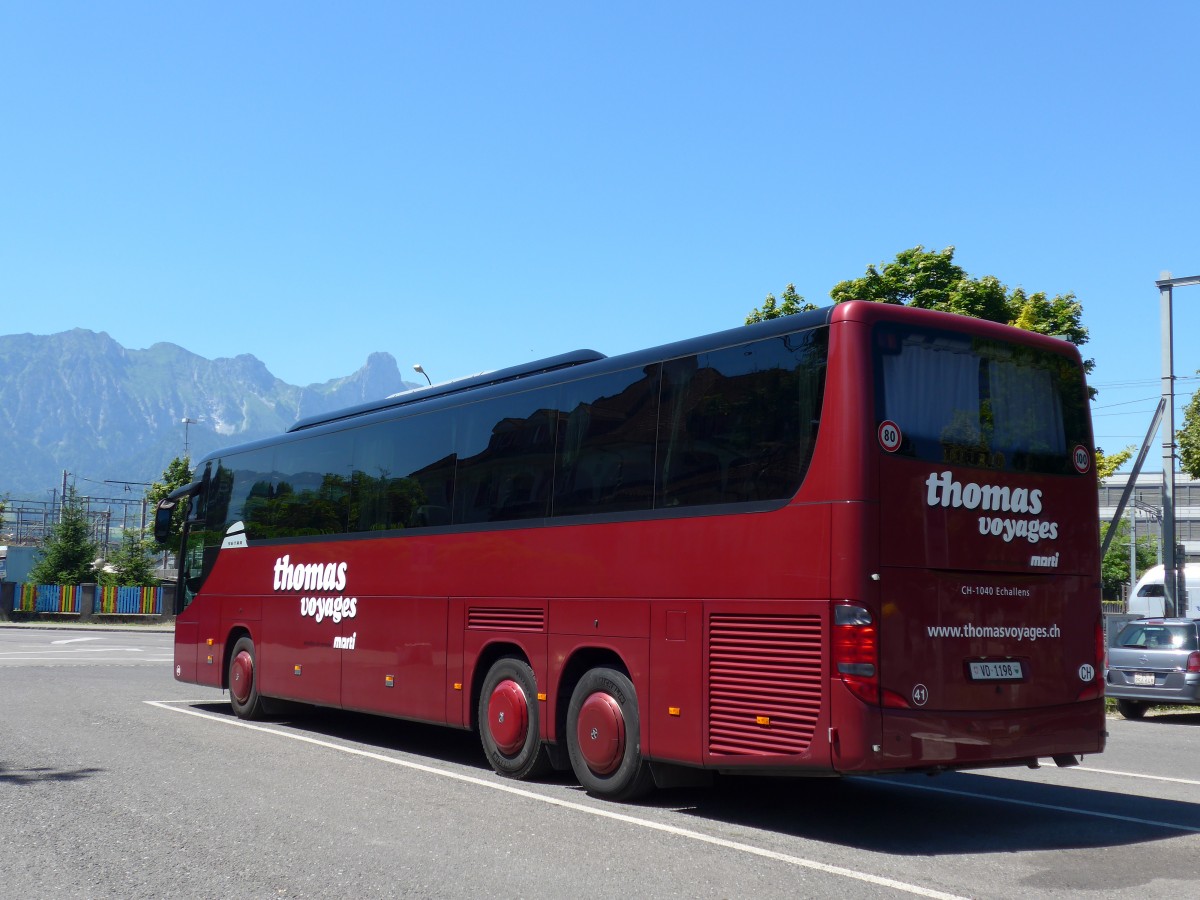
<point x="860" y="539"/>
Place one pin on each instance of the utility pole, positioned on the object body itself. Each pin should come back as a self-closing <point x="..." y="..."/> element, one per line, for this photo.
<point x="1170" y="563"/>
<point x="1132" y="550"/>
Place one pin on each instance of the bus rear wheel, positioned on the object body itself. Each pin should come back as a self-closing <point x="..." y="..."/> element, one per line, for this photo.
<point x="247" y="703"/>
<point x="604" y="737"/>
<point x="508" y="719"/>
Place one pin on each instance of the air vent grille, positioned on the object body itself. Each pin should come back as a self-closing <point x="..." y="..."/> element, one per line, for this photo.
<point x="764" y="684"/>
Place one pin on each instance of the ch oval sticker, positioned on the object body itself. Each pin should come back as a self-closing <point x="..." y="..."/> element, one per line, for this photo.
<point x="1086" y="672"/>
<point x="889" y="436"/>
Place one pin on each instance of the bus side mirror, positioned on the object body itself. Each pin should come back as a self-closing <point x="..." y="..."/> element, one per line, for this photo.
<point x="162" y="520"/>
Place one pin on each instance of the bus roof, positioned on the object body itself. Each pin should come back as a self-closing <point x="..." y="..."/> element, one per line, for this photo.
<point x="549" y="364"/>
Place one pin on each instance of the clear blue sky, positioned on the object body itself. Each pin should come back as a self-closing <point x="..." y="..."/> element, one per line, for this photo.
<point x="473" y="185"/>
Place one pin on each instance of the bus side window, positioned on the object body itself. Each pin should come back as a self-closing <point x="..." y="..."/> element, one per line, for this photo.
<point x="506" y="457"/>
<point x="404" y="473"/>
<point x="606" y="455"/>
<point x="739" y="424"/>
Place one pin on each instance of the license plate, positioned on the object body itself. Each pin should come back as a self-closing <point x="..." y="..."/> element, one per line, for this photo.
<point x="1145" y="678"/>
<point x="996" y="671"/>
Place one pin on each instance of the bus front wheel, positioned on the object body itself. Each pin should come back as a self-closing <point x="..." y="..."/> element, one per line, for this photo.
<point x="604" y="737"/>
<point x="508" y="720"/>
<point x="247" y="703"/>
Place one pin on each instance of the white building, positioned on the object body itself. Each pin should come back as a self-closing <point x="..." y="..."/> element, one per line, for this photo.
<point x="1145" y="505"/>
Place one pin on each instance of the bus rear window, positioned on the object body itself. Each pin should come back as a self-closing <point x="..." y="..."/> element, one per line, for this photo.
<point x="978" y="402"/>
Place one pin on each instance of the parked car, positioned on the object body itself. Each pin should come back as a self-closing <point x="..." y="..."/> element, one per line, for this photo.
<point x="1154" y="661"/>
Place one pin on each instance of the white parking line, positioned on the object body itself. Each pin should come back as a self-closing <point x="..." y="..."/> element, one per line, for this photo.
<point x="1137" y="775"/>
<point x="1171" y="826"/>
<point x="74" y="651"/>
<point x="686" y="833"/>
<point x="11" y="660"/>
<point x="75" y="640"/>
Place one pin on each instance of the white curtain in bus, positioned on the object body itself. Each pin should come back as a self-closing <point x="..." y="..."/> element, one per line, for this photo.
<point x="928" y="389"/>
<point x="1027" y="409"/>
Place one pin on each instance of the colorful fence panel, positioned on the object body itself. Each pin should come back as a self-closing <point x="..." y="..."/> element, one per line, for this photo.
<point x="26" y="600"/>
<point x="130" y="601"/>
<point x="48" y="598"/>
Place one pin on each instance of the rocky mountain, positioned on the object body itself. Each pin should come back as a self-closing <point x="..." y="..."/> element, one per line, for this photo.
<point x="80" y="401"/>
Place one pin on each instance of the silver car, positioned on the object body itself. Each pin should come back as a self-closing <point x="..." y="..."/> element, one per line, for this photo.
<point x="1154" y="661"/>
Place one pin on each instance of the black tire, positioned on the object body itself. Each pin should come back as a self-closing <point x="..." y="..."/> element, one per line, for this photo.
<point x="242" y="681"/>
<point x="604" y="737"/>
<point x="509" y="720"/>
<point x="1131" y="709"/>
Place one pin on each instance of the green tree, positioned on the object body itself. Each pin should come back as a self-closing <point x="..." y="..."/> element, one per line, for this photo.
<point x="932" y="280"/>
<point x="788" y="304"/>
<point x="1188" y="437"/>
<point x="131" y="562"/>
<point x="928" y="280"/>
<point x="1114" y="568"/>
<point x="1107" y="465"/>
<point x="69" y="553"/>
<point x="177" y="474"/>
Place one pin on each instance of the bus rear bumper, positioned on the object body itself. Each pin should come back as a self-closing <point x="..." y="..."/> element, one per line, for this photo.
<point x="921" y="739"/>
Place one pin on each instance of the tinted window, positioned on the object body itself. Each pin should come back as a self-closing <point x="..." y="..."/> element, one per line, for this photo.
<point x="731" y="425"/>
<point x="241" y="489"/>
<point x="1152" y="590"/>
<point x="506" y="457"/>
<point x="979" y="402"/>
<point x="404" y="473"/>
<point x="606" y="457"/>
<point x="740" y="424"/>
<point x="310" y="490"/>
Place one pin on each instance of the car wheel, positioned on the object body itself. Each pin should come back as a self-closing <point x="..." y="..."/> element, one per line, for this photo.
<point x="1131" y="709"/>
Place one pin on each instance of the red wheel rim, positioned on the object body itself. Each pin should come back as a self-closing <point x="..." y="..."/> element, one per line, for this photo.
<point x="241" y="676"/>
<point x="600" y="733"/>
<point x="508" y="716"/>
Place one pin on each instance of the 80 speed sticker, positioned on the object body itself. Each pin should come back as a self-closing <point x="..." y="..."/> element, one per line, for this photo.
<point x="889" y="436"/>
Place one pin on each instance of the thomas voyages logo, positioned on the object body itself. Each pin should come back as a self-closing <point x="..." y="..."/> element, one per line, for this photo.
<point x="326" y="578"/>
<point x="942" y="490"/>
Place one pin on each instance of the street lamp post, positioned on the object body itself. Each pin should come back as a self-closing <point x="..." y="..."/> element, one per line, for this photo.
<point x="417" y="368"/>
<point x="186" y="422"/>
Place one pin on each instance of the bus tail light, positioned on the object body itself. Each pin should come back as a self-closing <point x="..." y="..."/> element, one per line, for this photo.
<point x="856" y="650"/>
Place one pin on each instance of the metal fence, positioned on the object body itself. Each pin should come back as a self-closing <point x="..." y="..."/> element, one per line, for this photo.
<point x="48" y="598"/>
<point x="130" y="601"/>
<point x="77" y="599"/>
